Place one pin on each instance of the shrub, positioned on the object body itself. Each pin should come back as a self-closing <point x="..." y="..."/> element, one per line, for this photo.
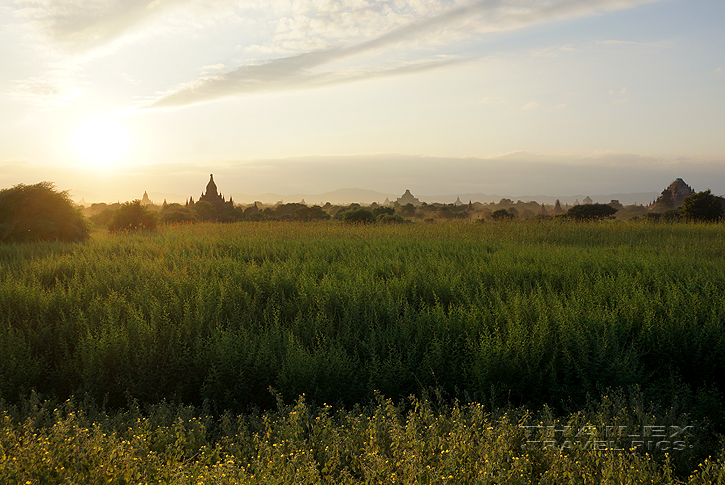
<point x="671" y="215"/>
<point x="378" y="211"/>
<point x="392" y="219"/>
<point x="103" y="217"/>
<point x="177" y="214"/>
<point x="204" y="211"/>
<point x="132" y="216"/>
<point x="40" y="213"/>
<point x="501" y="215"/>
<point x="358" y="216"/>
<point x="591" y="212"/>
<point x="314" y="213"/>
<point x="702" y="206"/>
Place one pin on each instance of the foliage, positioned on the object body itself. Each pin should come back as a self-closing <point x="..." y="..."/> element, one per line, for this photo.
<point x="419" y="440"/>
<point x="358" y="216"/>
<point x="407" y="210"/>
<point x="502" y="215"/>
<point x="177" y="214"/>
<point x="392" y="219"/>
<point x="591" y="212"/>
<point x="671" y="215"/>
<point x="702" y="207"/>
<point x="204" y="210"/>
<point x="616" y="204"/>
<point x="314" y="213"/>
<point x="381" y="210"/>
<point x="104" y="217"/>
<point x="132" y="216"/>
<point x="534" y="313"/>
<point x="501" y="314"/>
<point x="40" y="213"/>
<point x="447" y="212"/>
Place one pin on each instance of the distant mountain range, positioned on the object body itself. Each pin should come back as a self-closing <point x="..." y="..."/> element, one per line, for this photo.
<point x="364" y="196"/>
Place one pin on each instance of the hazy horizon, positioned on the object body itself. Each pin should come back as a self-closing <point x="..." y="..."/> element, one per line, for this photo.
<point x="512" y="97"/>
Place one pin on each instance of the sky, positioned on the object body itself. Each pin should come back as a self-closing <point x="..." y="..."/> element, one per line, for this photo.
<point x="111" y="98"/>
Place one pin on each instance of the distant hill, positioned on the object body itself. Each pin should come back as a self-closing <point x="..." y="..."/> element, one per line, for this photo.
<point x="365" y="196"/>
<point x="339" y="196"/>
<point x="362" y="196"/>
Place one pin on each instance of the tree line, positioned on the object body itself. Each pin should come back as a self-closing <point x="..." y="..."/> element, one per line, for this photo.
<point x="40" y="212"/>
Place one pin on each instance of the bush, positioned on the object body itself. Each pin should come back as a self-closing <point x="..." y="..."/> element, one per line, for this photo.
<point x="358" y="216"/>
<point x="177" y="214"/>
<point x="671" y="215"/>
<point x="591" y="212"/>
<point x="132" y="216"/>
<point x="378" y="211"/>
<point x="40" y="213"/>
<point x="392" y="219"/>
<point x="703" y="207"/>
<point x="502" y="215"/>
<point x="314" y="213"/>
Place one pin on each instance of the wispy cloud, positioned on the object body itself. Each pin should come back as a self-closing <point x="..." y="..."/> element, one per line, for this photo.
<point x="530" y="105"/>
<point x="301" y="70"/>
<point x="86" y="24"/>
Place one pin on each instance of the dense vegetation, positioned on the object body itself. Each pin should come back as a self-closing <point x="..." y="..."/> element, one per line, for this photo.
<point x="512" y="316"/>
<point x="39" y="213"/>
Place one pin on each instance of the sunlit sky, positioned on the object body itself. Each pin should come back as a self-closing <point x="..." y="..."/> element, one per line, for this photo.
<point x="111" y="98"/>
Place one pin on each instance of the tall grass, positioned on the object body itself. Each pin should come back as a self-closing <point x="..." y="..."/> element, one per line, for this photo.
<point x="506" y="313"/>
<point x="611" y="324"/>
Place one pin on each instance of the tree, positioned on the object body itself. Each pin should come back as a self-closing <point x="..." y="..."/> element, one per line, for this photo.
<point x="591" y="212"/>
<point x="177" y="214"/>
<point x="204" y="210"/>
<point x="702" y="206"/>
<point x="132" y="216"/>
<point x="381" y="210"/>
<point x="392" y="219"/>
<point x="502" y="215"/>
<point x="616" y="204"/>
<point x="358" y="216"/>
<point x="40" y="213"/>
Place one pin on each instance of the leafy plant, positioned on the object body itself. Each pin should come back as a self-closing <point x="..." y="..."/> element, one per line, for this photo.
<point x="40" y="213"/>
<point x="591" y="212"/>
<point x="132" y="216"/>
<point x="702" y="207"/>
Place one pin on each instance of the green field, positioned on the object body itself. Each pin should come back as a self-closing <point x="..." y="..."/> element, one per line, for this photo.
<point x="604" y="323"/>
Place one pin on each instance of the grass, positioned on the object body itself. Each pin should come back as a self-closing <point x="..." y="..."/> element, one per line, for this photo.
<point x="505" y="316"/>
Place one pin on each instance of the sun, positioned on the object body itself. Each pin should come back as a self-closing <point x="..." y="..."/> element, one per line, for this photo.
<point x="101" y="141"/>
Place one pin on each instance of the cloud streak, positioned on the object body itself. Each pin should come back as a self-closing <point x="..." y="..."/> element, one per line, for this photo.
<point x="80" y="25"/>
<point x="301" y="71"/>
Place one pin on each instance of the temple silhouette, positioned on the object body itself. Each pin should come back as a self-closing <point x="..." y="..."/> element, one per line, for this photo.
<point x="211" y="195"/>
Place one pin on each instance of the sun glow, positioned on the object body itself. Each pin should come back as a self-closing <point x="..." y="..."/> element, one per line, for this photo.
<point x="101" y="141"/>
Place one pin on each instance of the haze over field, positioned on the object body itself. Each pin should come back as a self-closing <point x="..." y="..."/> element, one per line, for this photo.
<point x="510" y="97"/>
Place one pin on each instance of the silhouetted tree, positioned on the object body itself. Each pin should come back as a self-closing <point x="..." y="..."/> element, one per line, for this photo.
<point x="392" y="219"/>
<point x="176" y="214"/>
<point x="40" y="213"/>
<point x="616" y="204"/>
<point x="132" y="216"/>
<point x="702" y="206"/>
<point x="502" y="215"/>
<point x="204" y="210"/>
<point x="591" y="212"/>
<point x="380" y="210"/>
<point x="314" y="213"/>
<point x="358" y="216"/>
